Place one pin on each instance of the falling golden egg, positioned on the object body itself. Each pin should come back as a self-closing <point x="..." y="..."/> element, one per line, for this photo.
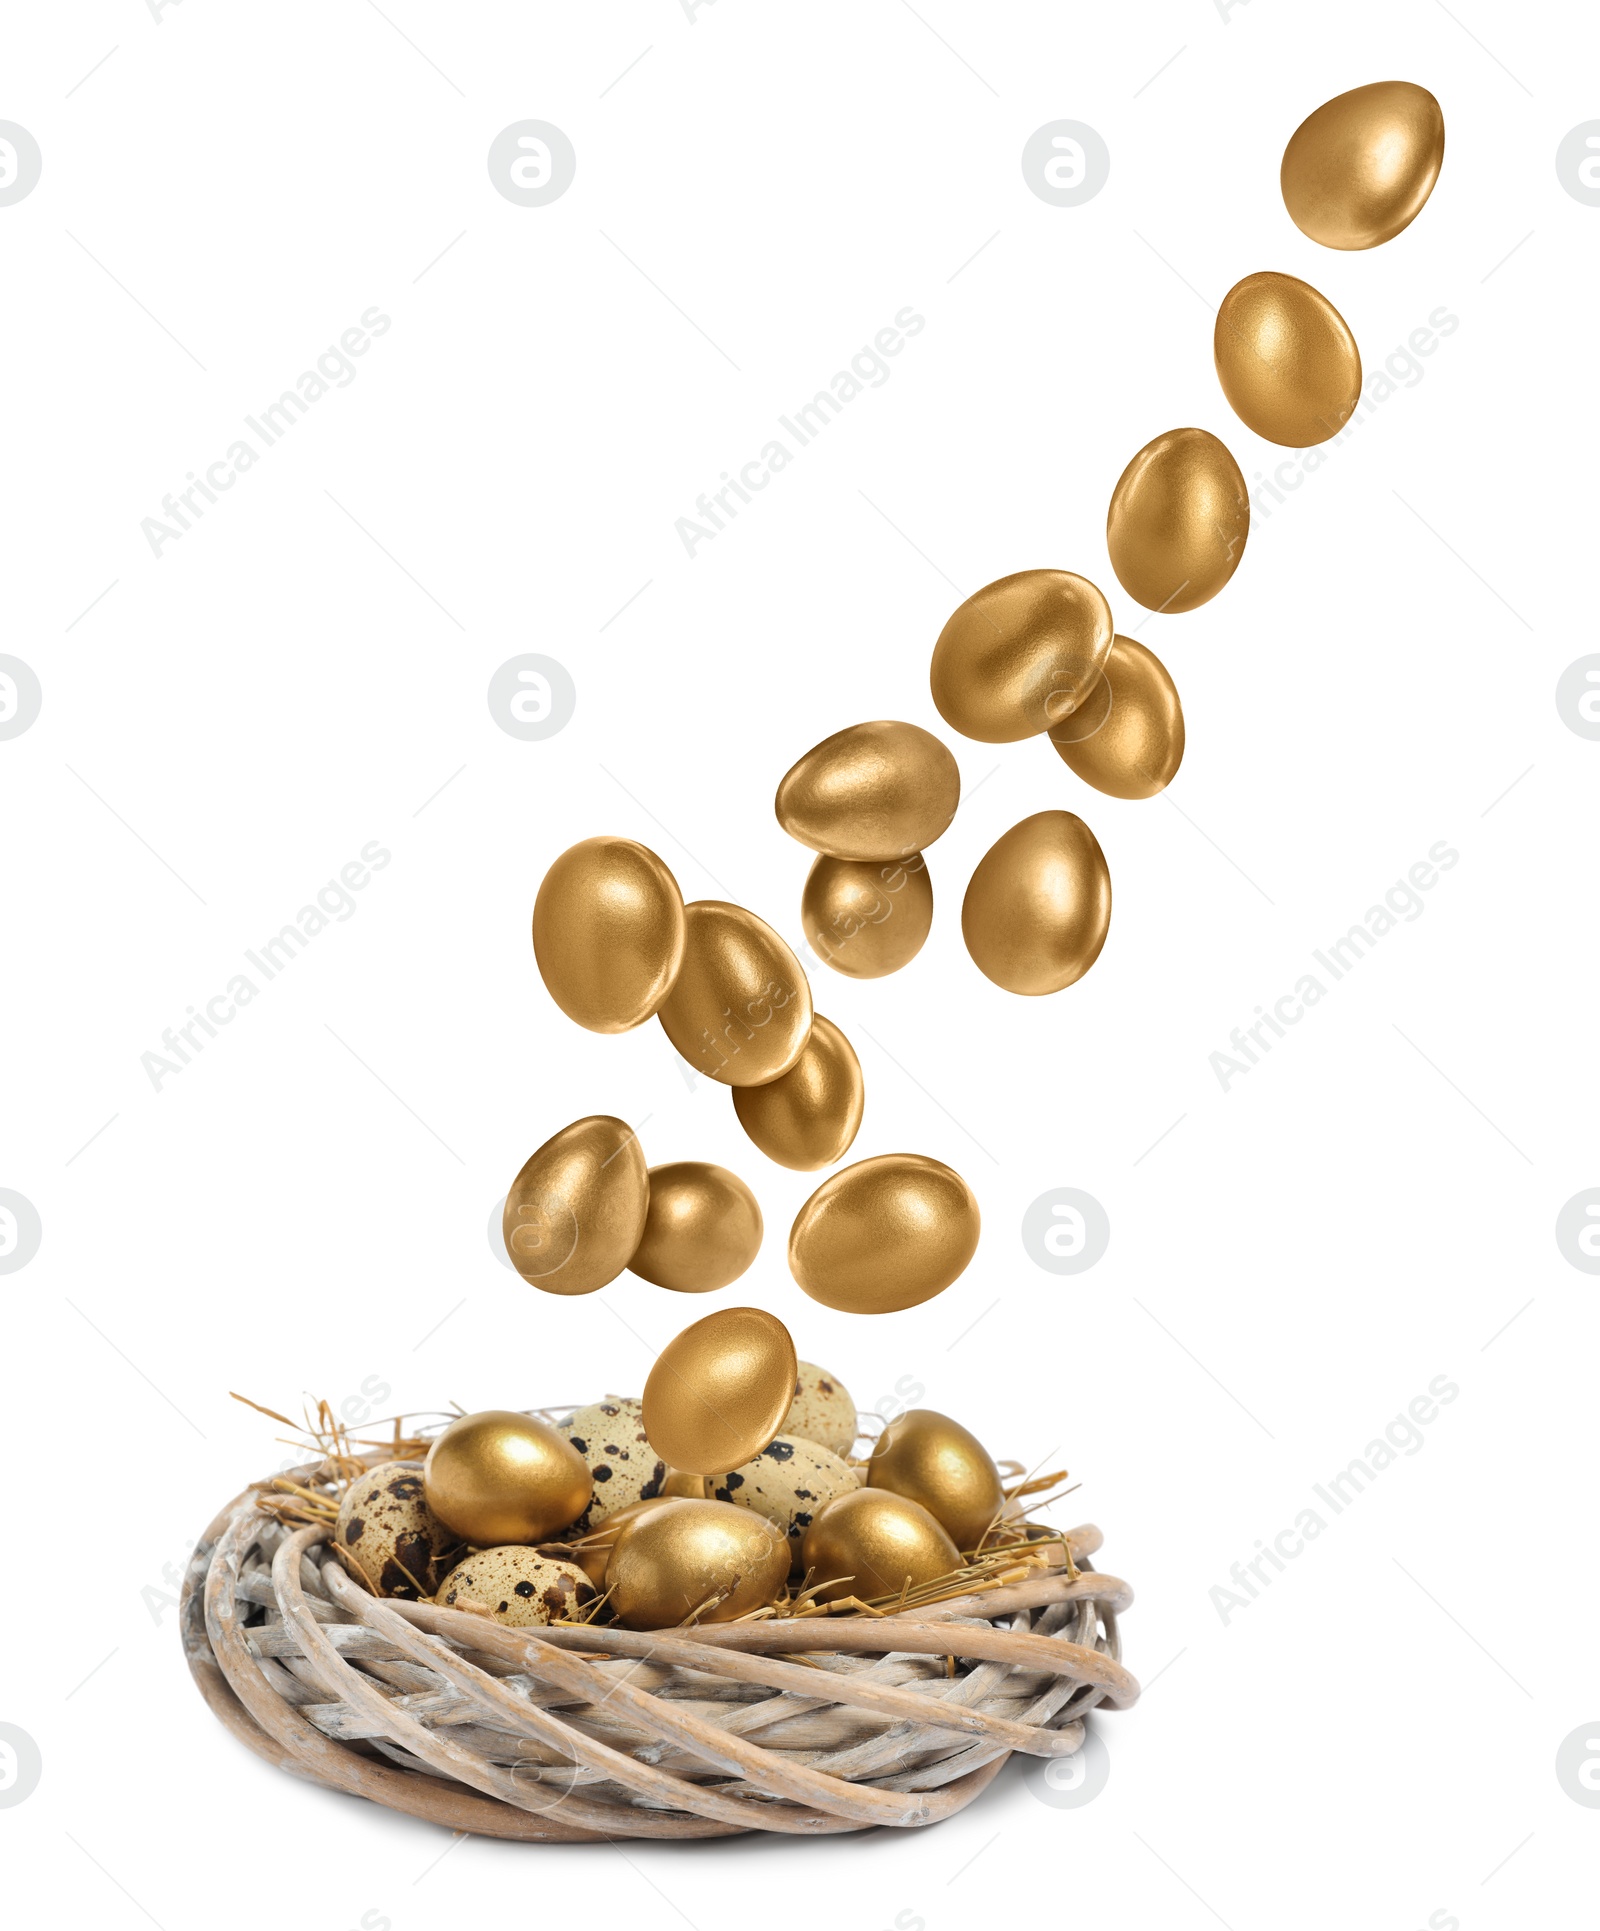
<point x="1020" y="655"/>
<point x="1178" y="521"/>
<point x="608" y="933"/>
<point x="576" y="1211"/>
<point x="822" y="1410"/>
<point x="740" y="1009"/>
<point x="933" y="1460"/>
<point x="1127" y="740"/>
<point x="874" y="791"/>
<point x="1362" y="166"/>
<point x="871" y="1543"/>
<point x="885" y="1234"/>
<point x="1038" y="907"/>
<point x="522" y="1588"/>
<point x="719" y="1390"/>
<point x="390" y="1535"/>
<point x="807" y="1118"/>
<point x="592" y="1550"/>
<point x="1286" y="360"/>
<point x="498" y="1476"/>
<point x="706" y="1560"/>
<point x="702" y="1231"/>
<point x="867" y="917"/>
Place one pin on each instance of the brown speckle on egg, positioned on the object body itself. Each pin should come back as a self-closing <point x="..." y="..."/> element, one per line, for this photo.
<point x="525" y="1588"/>
<point x="395" y="1541"/>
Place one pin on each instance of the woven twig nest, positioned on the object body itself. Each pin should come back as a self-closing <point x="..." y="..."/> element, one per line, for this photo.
<point x="807" y="1725"/>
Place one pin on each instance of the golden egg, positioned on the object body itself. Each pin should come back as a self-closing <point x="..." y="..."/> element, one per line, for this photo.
<point x="874" y="791"/>
<point x="679" y="1482"/>
<point x="591" y="1551"/>
<point x="608" y="933"/>
<point x="1020" y="655"/>
<point x="1038" y="907"/>
<point x="498" y="1476"/>
<point x="787" y="1482"/>
<point x="1286" y="360"/>
<point x="622" y="1465"/>
<point x="1178" y="520"/>
<point x="870" y="1543"/>
<point x="1361" y="167"/>
<point x="1127" y="740"/>
<point x="719" y="1390"/>
<point x="389" y="1533"/>
<point x="740" y="1010"/>
<point x="522" y="1588"/>
<point x="885" y="1234"/>
<point x="707" y="1560"/>
<point x="867" y="917"/>
<point x="702" y="1231"/>
<point x="822" y="1410"/>
<point x="576" y="1211"/>
<point x="807" y="1118"/>
<point x="933" y="1460"/>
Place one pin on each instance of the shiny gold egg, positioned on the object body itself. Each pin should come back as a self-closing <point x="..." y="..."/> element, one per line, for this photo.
<point x="1286" y="360"/>
<point x="1038" y="907"/>
<point x="702" y="1231"/>
<point x="870" y="1543"/>
<point x="933" y="1460"/>
<point x="867" y="917"/>
<point x="498" y="1476"/>
<point x="1361" y="167"/>
<point x="576" y="1211"/>
<point x="390" y="1535"/>
<point x="719" y="1390"/>
<point x="822" y="1410"/>
<point x="740" y="1009"/>
<point x="876" y="790"/>
<point x="1178" y="520"/>
<point x="592" y="1550"/>
<point x="1020" y="654"/>
<point x="807" y="1118"/>
<point x="608" y="933"/>
<point x="1127" y="740"/>
<point x="707" y="1560"/>
<point x="885" y="1234"/>
<point x="522" y="1588"/>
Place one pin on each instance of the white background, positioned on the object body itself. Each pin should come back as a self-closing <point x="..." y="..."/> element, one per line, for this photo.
<point x="305" y="1207"/>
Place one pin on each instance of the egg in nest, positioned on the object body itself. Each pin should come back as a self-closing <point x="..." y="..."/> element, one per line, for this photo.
<point x="391" y="1535"/>
<point x="822" y="1410"/>
<point x="518" y="1586"/>
<point x="788" y="1482"/>
<point x="610" y="1437"/>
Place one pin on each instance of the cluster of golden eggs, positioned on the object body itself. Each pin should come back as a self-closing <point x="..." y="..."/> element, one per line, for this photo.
<point x="1037" y="653"/>
<point x="616" y="945"/>
<point x="533" y="1522"/>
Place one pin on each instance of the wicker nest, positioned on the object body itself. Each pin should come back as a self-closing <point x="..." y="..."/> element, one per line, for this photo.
<point x="585" y="1734"/>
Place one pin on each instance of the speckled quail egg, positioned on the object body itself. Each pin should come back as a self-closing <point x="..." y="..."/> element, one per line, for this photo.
<point x="610" y="1437"/>
<point x="822" y="1410"/>
<point x="518" y="1586"/>
<point x="393" y="1538"/>
<point x="787" y="1483"/>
